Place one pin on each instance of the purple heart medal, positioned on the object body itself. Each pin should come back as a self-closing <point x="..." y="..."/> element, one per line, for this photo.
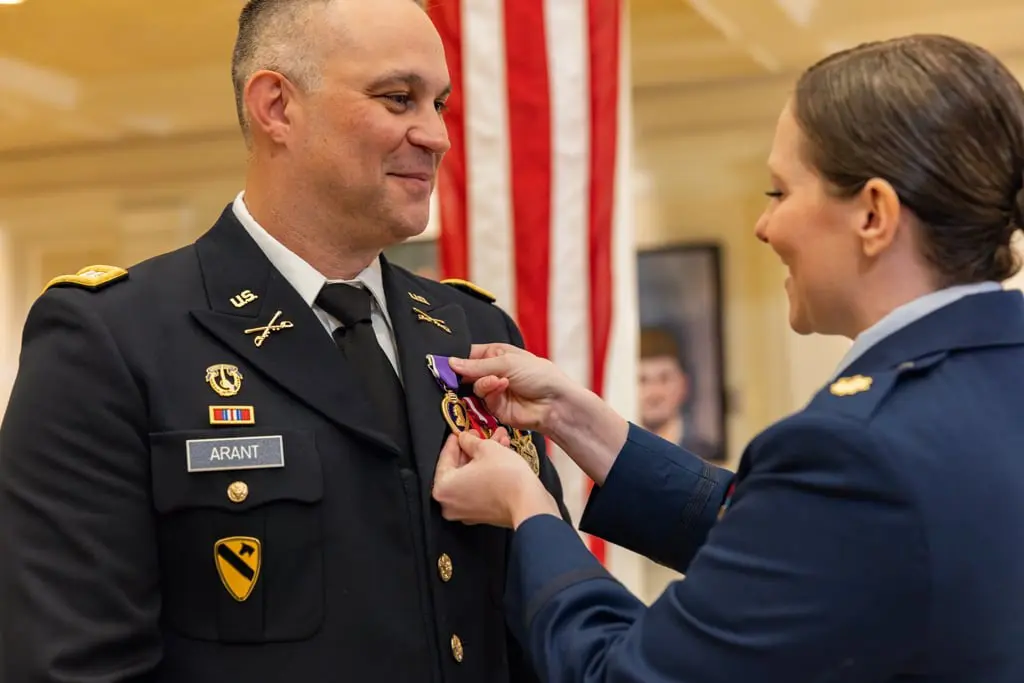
<point x="471" y="413"/>
<point x="451" y="407"/>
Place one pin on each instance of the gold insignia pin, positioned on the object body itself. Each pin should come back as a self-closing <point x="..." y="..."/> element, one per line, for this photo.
<point x="243" y="298"/>
<point x="225" y="379"/>
<point x="238" y="561"/>
<point x="522" y="443"/>
<point x="420" y="315"/>
<point x="265" y="331"/>
<point x="848" y="386"/>
<point x="418" y="299"/>
<point x="238" y="491"/>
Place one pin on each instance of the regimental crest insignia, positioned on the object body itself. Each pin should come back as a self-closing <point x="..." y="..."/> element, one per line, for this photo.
<point x="238" y="561"/>
<point x="848" y="386"/>
<point x="224" y="379"/>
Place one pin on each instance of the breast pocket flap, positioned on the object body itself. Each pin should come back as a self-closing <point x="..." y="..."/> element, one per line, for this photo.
<point x="233" y="470"/>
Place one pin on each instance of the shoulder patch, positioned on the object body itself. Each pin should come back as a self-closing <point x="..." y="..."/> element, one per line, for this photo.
<point x="469" y="288"/>
<point x="92" y="277"/>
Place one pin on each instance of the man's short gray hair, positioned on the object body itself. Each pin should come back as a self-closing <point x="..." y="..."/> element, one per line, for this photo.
<point x="275" y="35"/>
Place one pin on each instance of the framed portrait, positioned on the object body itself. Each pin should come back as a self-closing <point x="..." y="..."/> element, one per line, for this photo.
<point x="420" y="256"/>
<point x="681" y="374"/>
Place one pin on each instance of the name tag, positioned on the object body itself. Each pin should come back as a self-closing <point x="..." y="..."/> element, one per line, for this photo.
<point x="240" y="453"/>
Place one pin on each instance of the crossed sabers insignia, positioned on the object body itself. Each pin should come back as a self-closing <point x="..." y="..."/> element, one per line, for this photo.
<point x="420" y="315"/>
<point x="265" y="331"/>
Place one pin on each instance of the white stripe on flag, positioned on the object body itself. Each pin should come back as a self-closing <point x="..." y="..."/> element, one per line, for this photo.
<point x="489" y="192"/>
<point x="569" y="312"/>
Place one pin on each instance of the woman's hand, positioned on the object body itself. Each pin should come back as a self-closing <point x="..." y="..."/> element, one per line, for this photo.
<point x="519" y="388"/>
<point x="481" y="481"/>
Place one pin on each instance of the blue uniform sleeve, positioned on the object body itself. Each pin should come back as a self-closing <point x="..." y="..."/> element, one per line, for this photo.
<point x="817" y="572"/>
<point x="681" y="497"/>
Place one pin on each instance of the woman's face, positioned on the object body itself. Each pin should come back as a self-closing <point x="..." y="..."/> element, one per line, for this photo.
<point x="813" y="233"/>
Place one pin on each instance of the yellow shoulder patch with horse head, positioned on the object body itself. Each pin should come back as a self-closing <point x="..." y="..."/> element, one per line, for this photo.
<point x="470" y="288"/>
<point x="92" y="277"/>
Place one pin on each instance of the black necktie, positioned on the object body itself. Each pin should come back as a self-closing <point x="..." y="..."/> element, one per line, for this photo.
<point x="358" y="342"/>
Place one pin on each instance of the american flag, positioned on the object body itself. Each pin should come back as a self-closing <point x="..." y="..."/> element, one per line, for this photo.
<point x="534" y="195"/>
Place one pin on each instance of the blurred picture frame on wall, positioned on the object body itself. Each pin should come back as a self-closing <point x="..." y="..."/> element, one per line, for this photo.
<point x="681" y="367"/>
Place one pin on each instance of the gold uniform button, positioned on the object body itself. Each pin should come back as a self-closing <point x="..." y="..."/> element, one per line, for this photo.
<point x="457" y="648"/>
<point x="444" y="567"/>
<point x="238" y="491"/>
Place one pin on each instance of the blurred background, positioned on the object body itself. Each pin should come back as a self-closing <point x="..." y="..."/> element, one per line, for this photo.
<point x="118" y="141"/>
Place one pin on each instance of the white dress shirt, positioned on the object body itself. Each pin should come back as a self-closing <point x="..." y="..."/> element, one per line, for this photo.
<point x="308" y="281"/>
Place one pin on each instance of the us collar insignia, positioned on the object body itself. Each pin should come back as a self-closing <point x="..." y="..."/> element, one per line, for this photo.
<point x="243" y="298"/>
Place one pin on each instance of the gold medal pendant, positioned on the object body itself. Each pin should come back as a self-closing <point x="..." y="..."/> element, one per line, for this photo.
<point x="522" y="443"/>
<point x="454" y="412"/>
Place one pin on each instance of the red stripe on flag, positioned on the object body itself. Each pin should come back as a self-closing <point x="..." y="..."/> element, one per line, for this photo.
<point x="604" y="27"/>
<point x="451" y="182"/>
<point x="529" y="105"/>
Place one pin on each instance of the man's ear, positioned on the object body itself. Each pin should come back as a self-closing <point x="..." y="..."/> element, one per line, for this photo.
<point x="880" y="216"/>
<point x="267" y="97"/>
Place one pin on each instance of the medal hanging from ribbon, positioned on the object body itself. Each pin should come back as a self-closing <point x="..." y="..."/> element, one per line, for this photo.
<point x="464" y="413"/>
<point x="470" y="412"/>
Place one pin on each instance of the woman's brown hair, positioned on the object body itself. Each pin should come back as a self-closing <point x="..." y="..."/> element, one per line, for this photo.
<point x="942" y="121"/>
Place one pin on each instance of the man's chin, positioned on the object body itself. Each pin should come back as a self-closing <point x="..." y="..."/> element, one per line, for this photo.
<point x="409" y="226"/>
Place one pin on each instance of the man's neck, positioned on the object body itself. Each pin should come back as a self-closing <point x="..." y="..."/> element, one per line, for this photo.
<point x="308" y="233"/>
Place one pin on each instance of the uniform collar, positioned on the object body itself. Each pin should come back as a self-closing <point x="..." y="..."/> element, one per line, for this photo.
<point x="907" y="314"/>
<point x="985" y="319"/>
<point x="306" y="279"/>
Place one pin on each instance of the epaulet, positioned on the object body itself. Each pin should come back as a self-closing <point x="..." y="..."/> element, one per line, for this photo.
<point x="861" y="395"/>
<point x="93" y="277"/>
<point x="469" y="288"/>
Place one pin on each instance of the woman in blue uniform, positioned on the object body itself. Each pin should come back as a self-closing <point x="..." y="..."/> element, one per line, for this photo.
<point x="876" y="534"/>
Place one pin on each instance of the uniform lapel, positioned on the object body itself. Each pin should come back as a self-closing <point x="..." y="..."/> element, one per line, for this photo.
<point x="300" y="356"/>
<point x="416" y="337"/>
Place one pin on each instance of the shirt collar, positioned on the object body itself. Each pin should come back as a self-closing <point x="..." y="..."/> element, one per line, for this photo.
<point x="304" y="278"/>
<point x="908" y="313"/>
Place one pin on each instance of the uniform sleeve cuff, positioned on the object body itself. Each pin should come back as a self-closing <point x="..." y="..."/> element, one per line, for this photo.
<point x="546" y="556"/>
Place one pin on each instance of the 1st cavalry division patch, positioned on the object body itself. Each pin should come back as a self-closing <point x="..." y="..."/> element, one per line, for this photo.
<point x="238" y="564"/>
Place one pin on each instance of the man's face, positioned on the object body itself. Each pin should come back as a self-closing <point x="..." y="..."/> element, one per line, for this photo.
<point x="372" y="136"/>
<point x="662" y="390"/>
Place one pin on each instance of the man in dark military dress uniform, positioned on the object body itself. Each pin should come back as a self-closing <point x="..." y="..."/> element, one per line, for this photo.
<point x="218" y="463"/>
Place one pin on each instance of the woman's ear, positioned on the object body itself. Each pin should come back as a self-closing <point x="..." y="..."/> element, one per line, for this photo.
<point x="880" y="211"/>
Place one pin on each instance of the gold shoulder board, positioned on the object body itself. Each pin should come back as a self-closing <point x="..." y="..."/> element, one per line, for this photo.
<point x="93" y="277"/>
<point x="469" y="288"/>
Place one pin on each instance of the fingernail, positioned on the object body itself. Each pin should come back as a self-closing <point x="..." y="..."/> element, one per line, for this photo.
<point x="454" y="362"/>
